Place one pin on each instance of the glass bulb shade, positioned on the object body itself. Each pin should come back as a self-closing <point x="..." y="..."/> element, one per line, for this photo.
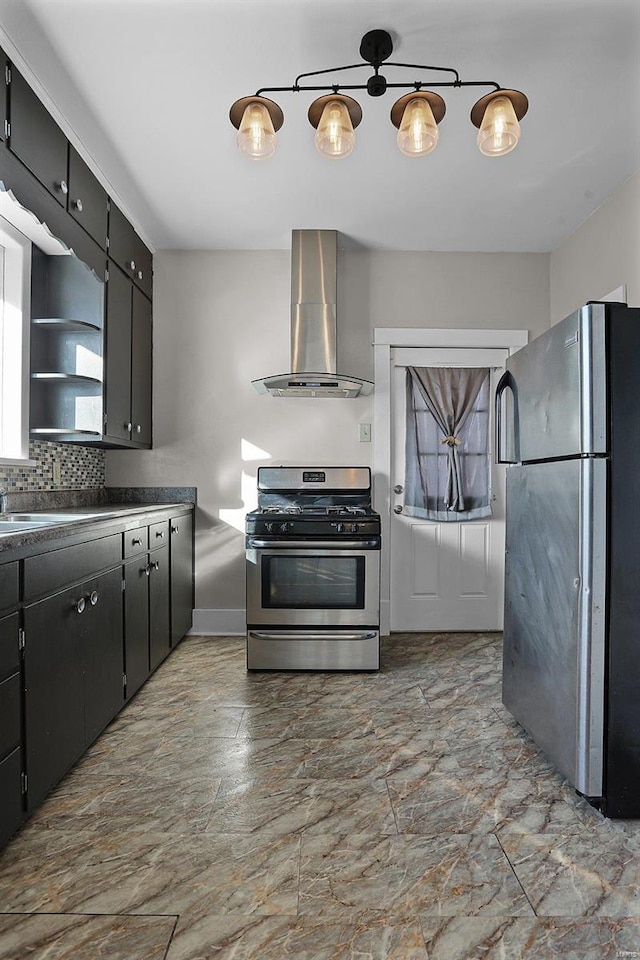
<point x="499" y="131"/>
<point x="418" y="131"/>
<point x="256" y="136"/>
<point x="335" y="137"/>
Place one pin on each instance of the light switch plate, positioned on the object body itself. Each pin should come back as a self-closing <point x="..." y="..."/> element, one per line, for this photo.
<point x="57" y="472"/>
<point x="364" y="432"/>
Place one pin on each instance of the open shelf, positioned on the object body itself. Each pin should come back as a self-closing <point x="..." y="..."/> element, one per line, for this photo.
<point x="67" y="326"/>
<point x="67" y="378"/>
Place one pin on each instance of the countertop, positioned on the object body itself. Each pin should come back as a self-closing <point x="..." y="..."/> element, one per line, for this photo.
<point x="84" y="523"/>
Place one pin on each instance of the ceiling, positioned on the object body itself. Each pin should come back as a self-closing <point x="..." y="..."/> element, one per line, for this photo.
<point x="144" y="87"/>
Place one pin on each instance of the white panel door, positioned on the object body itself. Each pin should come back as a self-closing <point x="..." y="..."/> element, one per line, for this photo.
<point x="445" y="576"/>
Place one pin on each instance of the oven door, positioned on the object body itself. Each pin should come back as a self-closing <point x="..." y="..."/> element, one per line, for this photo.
<point x="304" y="584"/>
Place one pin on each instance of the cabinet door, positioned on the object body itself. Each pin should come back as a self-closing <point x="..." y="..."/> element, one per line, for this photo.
<point x="128" y="250"/>
<point x="87" y="199"/>
<point x="54" y="703"/>
<point x="136" y="623"/>
<point x="181" y="545"/>
<point x="4" y="93"/>
<point x="37" y="139"/>
<point x="159" y="626"/>
<point x="11" y="814"/>
<point x="118" y="359"/>
<point x="141" y="364"/>
<point x="102" y="652"/>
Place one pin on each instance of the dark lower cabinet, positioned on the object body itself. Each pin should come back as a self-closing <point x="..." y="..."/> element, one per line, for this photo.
<point x="159" y="628"/>
<point x="54" y="702"/>
<point x="11" y="792"/>
<point x="147" y="611"/>
<point x="102" y="653"/>
<point x="11" y="812"/>
<point x="181" y="546"/>
<point x="73" y="676"/>
<point x="136" y="623"/>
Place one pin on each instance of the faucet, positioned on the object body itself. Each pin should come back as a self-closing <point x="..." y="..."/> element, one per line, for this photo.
<point x="4" y="501"/>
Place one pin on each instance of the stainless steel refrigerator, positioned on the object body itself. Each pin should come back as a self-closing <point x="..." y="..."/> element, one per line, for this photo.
<point x="568" y="422"/>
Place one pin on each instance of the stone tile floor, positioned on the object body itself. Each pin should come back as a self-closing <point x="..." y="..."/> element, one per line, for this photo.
<point x="399" y="815"/>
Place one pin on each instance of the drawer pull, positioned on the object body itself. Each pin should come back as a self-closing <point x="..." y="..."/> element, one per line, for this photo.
<point x="78" y="205"/>
<point x="62" y="187"/>
<point x="136" y="542"/>
<point x="79" y="605"/>
<point x="175" y="529"/>
<point x="146" y="570"/>
<point x="94" y="597"/>
<point x="160" y="533"/>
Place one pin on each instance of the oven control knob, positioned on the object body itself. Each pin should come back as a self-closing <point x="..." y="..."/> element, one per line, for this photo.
<point x="284" y="527"/>
<point x="269" y="528"/>
<point x="340" y="527"/>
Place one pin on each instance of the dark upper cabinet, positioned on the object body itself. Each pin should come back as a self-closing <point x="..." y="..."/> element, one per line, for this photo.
<point x="87" y="199"/>
<point x="118" y="356"/>
<point x="4" y="94"/>
<point x="37" y="139"/>
<point x="128" y="361"/>
<point x="128" y="250"/>
<point x="141" y="364"/>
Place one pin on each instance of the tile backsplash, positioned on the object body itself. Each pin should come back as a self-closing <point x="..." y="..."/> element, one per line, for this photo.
<point x="81" y="468"/>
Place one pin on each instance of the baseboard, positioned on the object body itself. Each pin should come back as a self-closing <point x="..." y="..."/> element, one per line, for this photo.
<point x="219" y="623"/>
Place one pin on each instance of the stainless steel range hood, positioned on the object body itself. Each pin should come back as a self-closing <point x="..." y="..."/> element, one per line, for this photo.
<point x="313" y="324"/>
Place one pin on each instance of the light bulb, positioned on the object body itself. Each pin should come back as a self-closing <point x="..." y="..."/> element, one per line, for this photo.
<point x="500" y="131"/>
<point x="256" y="136"/>
<point x="418" y="132"/>
<point x="334" y="137"/>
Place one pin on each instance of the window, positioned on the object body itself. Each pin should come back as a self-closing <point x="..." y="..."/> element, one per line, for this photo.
<point x="15" y="271"/>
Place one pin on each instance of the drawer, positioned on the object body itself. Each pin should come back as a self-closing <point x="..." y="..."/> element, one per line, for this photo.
<point x="158" y="534"/>
<point x="9" y="650"/>
<point x="8" y="587"/>
<point x="9" y="714"/>
<point x="49" y="572"/>
<point x="135" y="542"/>
<point x="11" y="815"/>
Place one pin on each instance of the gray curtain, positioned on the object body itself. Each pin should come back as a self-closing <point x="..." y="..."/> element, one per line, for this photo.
<point x="447" y="407"/>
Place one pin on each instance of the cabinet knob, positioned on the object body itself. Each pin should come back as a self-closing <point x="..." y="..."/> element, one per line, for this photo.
<point x="94" y="597"/>
<point x="156" y="564"/>
<point x="138" y="428"/>
<point x="132" y="264"/>
<point x="175" y="529"/>
<point x="136" y="542"/>
<point x="79" y="605"/>
<point x="78" y="205"/>
<point x="160" y="533"/>
<point x="146" y="570"/>
<point x="140" y="275"/>
<point x="63" y="187"/>
<point x="128" y="426"/>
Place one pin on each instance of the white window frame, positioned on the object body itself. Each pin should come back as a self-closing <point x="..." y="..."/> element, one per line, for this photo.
<point x="15" y="312"/>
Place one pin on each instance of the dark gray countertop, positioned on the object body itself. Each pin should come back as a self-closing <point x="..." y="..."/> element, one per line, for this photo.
<point x="88" y="521"/>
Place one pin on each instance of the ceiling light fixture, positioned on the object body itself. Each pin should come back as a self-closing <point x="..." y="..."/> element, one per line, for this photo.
<point x="416" y="115"/>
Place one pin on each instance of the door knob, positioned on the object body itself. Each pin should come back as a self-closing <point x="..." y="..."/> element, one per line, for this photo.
<point x="398" y="488"/>
<point x="398" y="509"/>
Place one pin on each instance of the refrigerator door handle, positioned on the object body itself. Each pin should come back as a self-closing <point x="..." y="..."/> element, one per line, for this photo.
<point x="506" y="380"/>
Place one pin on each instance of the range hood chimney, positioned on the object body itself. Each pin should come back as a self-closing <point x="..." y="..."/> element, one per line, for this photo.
<point x="313" y="324"/>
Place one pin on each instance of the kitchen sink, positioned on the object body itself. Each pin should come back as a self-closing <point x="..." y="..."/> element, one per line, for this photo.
<point x="14" y="525"/>
<point x="47" y="518"/>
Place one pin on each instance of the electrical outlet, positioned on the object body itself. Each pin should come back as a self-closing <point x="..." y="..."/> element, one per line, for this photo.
<point x="57" y="472"/>
<point x="364" y="432"/>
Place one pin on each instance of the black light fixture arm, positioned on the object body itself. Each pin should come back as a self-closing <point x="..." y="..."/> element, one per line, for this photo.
<point x="415" y="85"/>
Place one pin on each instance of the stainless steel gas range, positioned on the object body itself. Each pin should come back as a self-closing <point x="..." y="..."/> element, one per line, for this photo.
<point x="313" y="571"/>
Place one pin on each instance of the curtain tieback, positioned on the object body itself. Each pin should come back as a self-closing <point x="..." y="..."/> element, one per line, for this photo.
<point x="451" y="441"/>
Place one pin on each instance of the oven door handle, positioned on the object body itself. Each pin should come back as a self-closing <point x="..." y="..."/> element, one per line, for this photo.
<point x="311" y="544"/>
<point x="329" y="635"/>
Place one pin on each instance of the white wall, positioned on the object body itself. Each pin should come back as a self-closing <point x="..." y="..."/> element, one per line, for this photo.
<point x="600" y="256"/>
<point x="222" y="319"/>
